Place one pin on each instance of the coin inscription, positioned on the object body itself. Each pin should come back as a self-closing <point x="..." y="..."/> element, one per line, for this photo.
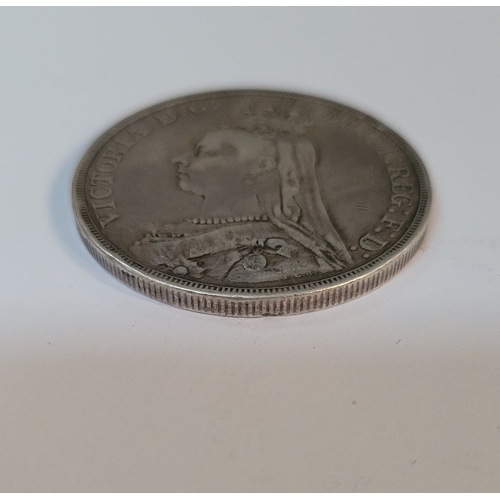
<point x="251" y="201"/>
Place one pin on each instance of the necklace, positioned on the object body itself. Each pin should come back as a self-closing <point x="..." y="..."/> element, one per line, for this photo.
<point x="229" y="220"/>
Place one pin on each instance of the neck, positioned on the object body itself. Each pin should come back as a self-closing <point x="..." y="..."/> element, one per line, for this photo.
<point x="226" y="205"/>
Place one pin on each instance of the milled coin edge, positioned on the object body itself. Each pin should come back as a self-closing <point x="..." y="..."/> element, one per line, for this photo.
<point x="261" y="304"/>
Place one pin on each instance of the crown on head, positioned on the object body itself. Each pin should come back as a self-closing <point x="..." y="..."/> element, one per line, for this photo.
<point x="272" y="121"/>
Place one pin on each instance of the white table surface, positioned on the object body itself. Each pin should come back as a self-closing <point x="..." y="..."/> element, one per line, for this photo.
<point x="102" y="389"/>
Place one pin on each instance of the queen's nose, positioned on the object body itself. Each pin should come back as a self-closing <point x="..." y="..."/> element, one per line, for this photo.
<point x="182" y="162"/>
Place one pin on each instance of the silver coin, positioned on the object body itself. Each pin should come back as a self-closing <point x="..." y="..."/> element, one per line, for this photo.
<point x="251" y="203"/>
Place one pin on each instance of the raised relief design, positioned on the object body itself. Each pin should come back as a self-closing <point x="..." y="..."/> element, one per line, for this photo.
<point x="262" y="219"/>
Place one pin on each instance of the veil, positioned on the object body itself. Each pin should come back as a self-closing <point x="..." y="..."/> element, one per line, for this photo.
<point x="299" y="210"/>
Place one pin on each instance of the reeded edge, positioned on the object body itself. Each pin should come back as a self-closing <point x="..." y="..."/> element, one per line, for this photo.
<point x="260" y="304"/>
<point x="252" y="302"/>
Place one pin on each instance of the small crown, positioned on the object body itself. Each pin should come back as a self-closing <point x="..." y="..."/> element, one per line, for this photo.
<point x="272" y="121"/>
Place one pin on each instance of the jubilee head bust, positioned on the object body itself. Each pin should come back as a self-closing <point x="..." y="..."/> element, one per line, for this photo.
<point x="262" y="219"/>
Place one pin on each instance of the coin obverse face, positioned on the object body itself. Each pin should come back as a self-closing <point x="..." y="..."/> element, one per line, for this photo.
<point x="251" y="203"/>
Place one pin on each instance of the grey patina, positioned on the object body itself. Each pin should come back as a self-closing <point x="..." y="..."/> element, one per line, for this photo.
<point x="251" y="203"/>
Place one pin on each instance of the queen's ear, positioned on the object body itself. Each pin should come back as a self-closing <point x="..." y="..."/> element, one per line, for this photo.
<point x="265" y="164"/>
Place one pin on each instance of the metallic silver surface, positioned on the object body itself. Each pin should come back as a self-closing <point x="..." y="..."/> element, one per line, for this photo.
<point x="251" y="203"/>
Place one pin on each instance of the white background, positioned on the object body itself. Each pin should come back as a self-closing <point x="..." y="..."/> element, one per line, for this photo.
<point x="102" y="389"/>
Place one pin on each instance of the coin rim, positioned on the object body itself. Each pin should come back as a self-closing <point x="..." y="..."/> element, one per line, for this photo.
<point x="254" y="301"/>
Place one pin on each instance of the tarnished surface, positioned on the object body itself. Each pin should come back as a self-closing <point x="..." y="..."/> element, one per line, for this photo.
<point x="251" y="203"/>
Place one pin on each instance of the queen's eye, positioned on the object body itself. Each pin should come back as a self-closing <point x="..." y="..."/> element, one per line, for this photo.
<point x="206" y="152"/>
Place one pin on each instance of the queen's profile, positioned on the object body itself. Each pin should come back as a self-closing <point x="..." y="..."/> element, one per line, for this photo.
<point x="262" y="218"/>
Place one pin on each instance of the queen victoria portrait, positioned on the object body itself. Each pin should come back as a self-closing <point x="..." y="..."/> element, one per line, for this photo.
<point x="262" y="219"/>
